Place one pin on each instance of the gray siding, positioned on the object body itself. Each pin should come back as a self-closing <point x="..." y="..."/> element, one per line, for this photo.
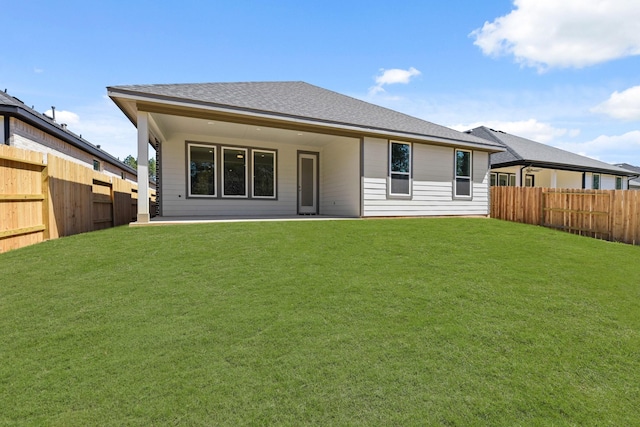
<point x="432" y="184"/>
<point x="336" y="162"/>
<point x="340" y="178"/>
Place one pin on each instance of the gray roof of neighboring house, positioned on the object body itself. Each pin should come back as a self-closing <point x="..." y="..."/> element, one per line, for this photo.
<point x="299" y="100"/>
<point x="13" y="106"/>
<point x="635" y="169"/>
<point x="522" y="151"/>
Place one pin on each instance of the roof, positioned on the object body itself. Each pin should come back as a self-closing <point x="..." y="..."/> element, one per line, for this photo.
<point x="298" y="100"/>
<point x="12" y="106"/>
<point x="522" y="151"/>
<point x="635" y="169"/>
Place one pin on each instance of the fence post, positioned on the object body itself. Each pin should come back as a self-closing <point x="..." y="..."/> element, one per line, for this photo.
<point x="45" y="202"/>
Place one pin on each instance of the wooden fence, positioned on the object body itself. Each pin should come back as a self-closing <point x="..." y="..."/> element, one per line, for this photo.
<point x="605" y="214"/>
<point x="45" y="200"/>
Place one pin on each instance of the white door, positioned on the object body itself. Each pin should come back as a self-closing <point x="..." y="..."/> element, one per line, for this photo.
<point x="307" y="183"/>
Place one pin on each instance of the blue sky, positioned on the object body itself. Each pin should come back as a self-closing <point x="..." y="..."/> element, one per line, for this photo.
<point x="562" y="73"/>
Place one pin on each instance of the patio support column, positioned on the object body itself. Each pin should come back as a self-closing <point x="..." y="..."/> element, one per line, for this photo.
<point x="554" y="179"/>
<point x="143" y="167"/>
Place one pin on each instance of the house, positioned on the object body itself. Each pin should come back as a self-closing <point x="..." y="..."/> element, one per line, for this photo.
<point x="25" y="128"/>
<point x="527" y="163"/>
<point x="291" y="148"/>
<point x="634" y="182"/>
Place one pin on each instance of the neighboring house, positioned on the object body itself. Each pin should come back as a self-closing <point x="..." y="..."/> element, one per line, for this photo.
<point x="634" y="181"/>
<point x="23" y="127"/>
<point x="287" y="148"/>
<point x="527" y="163"/>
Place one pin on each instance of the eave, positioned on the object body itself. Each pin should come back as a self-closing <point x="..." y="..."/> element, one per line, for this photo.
<point x="52" y="129"/>
<point x="131" y="102"/>
<point x="559" y="166"/>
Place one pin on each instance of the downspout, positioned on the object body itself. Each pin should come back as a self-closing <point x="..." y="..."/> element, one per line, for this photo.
<point x="629" y="178"/>
<point x="522" y="169"/>
<point x="7" y="130"/>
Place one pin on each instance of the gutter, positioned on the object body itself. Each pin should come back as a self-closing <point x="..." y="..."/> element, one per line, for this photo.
<point x="302" y="121"/>
<point x="51" y="128"/>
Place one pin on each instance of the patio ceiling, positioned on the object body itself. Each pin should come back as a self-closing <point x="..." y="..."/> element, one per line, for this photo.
<point x="170" y="126"/>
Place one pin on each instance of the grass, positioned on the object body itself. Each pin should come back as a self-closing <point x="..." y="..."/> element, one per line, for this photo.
<point x="381" y="322"/>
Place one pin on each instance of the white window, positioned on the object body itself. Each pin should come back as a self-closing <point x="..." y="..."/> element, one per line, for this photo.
<point x="264" y="174"/>
<point x="399" y="169"/>
<point x="595" y="183"/>
<point x="234" y="172"/>
<point x="494" y="179"/>
<point x="202" y="170"/>
<point x="463" y="174"/>
<point x="96" y="165"/>
<point x="618" y="183"/>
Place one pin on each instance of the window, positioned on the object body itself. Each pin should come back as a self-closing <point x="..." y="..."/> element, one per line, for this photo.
<point x="506" y="180"/>
<point x="595" y="184"/>
<point x="463" y="173"/>
<point x="618" y="183"/>
<point x="96" y="165"/>
<point x="202" y="170"/>
<point x="529" y="181"/>
<point x="400" y="169"/>
<point x="264" y="174"/>
<point x="494" y="179"/>
<point x="234" y="172"/>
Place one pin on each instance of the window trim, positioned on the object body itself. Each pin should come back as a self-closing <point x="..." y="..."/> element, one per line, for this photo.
<point x="593" y="181"/>
<point x="253" y="173"/>
<point x="215" y="171"/>
<point x="97" y="166"/>
<point x="619" y="180"/>
<point x="533" y="180"/>
<point x="456" y="177"/>
<point x="246" y="173"/>
<point x="218" y="165"/>
<point x="508" y="181"/>
<point x="390" y="194"/>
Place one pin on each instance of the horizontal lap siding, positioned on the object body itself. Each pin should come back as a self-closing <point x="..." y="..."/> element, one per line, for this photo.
<point x="340" y="178"/>
<point x="174" y="185"/>
<point x="432" y="183"/>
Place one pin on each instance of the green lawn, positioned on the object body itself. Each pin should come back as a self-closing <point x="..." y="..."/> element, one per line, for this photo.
<point x="375" y="322"/>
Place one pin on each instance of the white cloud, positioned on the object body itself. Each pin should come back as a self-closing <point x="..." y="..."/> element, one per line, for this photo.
<point x="623" y="105"/>
<point x="563" y="34"/>
<point x="63" y="116"/>
<point x="102" y="124"/>
<point x="623" y="148"/>
<point x="392" y="76"/>
<point x="530" y="129"/>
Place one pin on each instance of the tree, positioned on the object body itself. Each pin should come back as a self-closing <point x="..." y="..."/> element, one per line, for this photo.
<point x="152" y="169"/>
<point x="131" y="162"/>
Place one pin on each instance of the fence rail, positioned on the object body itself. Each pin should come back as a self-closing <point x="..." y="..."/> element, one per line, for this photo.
<point x="605" y="214"/>
<point x="41" y="200"/>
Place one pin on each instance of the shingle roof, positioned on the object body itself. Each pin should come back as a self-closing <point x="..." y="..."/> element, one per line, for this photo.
<point x="525" y="151"/>
<point x="635" y="169"/>
<point x="299" y="100"/>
